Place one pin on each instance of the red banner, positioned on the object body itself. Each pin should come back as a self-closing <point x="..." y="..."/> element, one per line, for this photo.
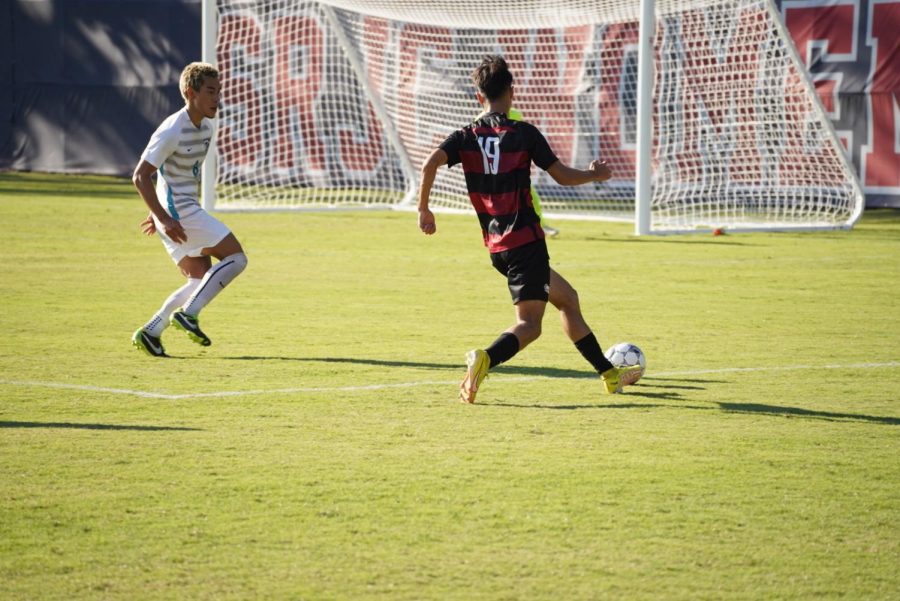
<point x="852" y="51"/>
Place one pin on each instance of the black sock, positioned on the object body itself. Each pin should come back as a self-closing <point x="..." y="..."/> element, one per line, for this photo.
<point x="503" y="349"/>
<point x="590" y="350"/>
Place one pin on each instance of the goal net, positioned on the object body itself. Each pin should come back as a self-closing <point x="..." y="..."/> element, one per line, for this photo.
<point x="336" y="103"/>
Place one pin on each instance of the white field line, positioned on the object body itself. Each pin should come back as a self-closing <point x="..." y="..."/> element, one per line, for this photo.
<point x="315" y="389"/>
<point x="227" y="393"/>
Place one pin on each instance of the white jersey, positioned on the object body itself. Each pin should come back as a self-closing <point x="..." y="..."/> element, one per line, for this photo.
<point x="177" y="148"/>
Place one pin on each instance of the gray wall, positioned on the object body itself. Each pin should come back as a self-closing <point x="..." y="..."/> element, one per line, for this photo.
<point x="83" y="83"/>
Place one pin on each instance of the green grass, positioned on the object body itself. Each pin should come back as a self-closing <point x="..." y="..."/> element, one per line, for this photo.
<point x="757" y="459"/>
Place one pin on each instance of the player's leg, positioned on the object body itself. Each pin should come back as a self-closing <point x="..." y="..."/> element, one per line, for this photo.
<point x="232" y="261"/>
<point x="197" y="269"/>
<point x="564" y="297"/>
<point x="527" y="271"/>
<point x="527" y="329"/>
<point x="148" y="337"/>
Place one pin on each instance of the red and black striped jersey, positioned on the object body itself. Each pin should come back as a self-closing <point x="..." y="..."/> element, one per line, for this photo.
<point x="496" y="155"/>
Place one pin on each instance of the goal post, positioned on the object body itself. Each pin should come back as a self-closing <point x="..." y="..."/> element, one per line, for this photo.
<point x="701" y="108"/>
<point x="209" y="29"/>
<point x="643" y="187"/>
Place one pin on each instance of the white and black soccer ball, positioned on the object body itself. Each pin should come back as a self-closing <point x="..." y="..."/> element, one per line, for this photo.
<point x="626" y="354"/>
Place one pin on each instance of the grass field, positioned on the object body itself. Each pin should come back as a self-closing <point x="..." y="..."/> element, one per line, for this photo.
<point x="316" y="450"/>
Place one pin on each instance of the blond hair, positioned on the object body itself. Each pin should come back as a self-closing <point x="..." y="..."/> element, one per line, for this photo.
<point x="194" y="75"/>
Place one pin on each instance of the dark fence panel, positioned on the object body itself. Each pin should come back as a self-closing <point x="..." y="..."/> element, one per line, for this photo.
<point x="85" y="82"/>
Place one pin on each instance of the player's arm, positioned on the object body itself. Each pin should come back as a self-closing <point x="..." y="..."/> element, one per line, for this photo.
<point x="435" y="161"/>
<point x="143" y="181"/>
<point x="564" y="175"/>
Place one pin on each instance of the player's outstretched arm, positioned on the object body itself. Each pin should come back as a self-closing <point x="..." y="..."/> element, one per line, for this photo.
<point x="435" y="161"/>
<point x="569" y="176"/>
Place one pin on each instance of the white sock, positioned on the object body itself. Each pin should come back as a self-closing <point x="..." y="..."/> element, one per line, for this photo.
<point x="160" y="321"/>
<point x="218" y="276"/>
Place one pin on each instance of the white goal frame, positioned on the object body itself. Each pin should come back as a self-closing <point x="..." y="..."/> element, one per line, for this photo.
<point x="644" y="157"/>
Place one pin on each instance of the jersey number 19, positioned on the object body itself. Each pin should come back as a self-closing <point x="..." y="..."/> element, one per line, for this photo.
<point x="490" y="153"/>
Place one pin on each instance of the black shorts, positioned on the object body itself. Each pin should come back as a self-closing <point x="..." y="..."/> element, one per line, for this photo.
<point x="527" y="271"/>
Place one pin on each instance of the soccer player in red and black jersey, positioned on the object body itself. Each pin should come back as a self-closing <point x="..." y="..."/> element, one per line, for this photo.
<point x="496" y="155"/>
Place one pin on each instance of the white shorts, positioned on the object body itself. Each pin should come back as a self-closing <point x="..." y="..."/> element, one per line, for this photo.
<point x="203" y="231"/>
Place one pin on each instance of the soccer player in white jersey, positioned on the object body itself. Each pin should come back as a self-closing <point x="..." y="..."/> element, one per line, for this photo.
<point x="190" y="235"/>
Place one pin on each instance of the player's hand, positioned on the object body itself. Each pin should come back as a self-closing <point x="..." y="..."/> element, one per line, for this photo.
<point x="172" y="228"/>
<point x="600" y="170"/>
<point x="426" y="222"/>
<point x="148" y="226"/>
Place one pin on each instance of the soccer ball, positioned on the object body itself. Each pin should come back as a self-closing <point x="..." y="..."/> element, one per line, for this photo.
<point x="626" y="354"/>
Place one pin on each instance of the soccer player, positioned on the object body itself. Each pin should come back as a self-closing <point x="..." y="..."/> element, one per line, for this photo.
<point x="189" y="234"/>
<point x="496" y="154"/>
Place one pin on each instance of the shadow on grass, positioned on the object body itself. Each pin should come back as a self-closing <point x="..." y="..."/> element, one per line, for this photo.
<point x="645" y="383"/>
<point x="744" y="408"/>
<point x="646" y="379"/>
<point x="798" y="412"/>
<point x="668" y="384"/>
<point x="549" y="372"/>
<point x="632" y="393"/>
<point x="573" y="407"/>
<point x="4" y="424"/>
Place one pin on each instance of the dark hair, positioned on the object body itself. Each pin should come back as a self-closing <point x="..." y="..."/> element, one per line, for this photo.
<point x="492" y="77"/>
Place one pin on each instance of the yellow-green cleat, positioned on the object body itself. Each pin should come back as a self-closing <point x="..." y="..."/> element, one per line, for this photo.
<point x="189" y="324"/>
<point x="616" y="378"/>
<point x="477" y="365"/>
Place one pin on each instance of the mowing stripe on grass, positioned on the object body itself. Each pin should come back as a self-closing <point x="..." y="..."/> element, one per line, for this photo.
<point x="84" y="387"/>
<point x="728" y="370"/>
<point x="314" y="389"/>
